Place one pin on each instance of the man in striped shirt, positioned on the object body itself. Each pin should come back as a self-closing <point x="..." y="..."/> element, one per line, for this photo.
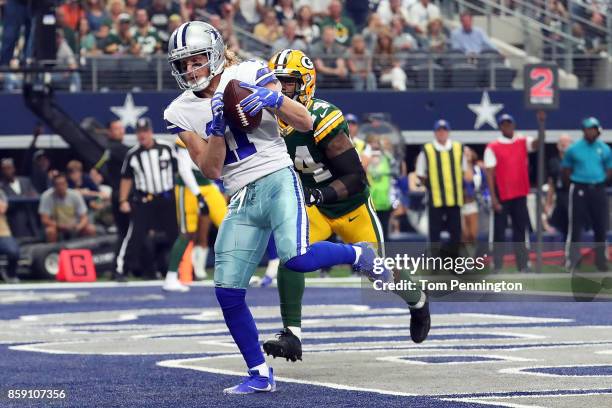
<point x="146" y="192"/>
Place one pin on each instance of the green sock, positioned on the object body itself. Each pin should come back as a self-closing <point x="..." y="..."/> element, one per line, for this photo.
<point x="411" y="297"/>
<point x="290" y="290"/>
<point x="177" y="252"/>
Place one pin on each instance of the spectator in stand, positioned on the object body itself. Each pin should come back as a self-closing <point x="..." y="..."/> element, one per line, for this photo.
<point x="402" y="40"/>
<point x="174" y="22"/>
<point x="19" y="216"/>
<point x="320" y="8"/>
<point x="131" y="6"/>
<point x="284" y="10"/>
<point x="115" y="8"/>
<point x="420" y="14"/>
<point x="41" y="169"/>
<point x="102" y="211"/>
<point x="370" y="33"/>
<point x="306" y="28"/>
<point x="16" y="14"/>
<point x="387" y="9"/>
<point x="102" y="38"/>
<point x="159" y="15"/>
<point x="249" y="12"/>
<point x="198" y="10"/>
<point x="328" y="59"/>
<point x="96" y="15"/>
<point x="120" y="41"/>
<point x="225" y="25"/>
<point x="63" y="212"/>
<point x="73" y="13"/>
<point x="81" y="182"/>
<point x="290" y="39"/>
<point x="145" y="35"/>
<point x="66" y="60"/>
<point x="359" y="64"/>
<point x="344" y="26"/>
<point x="8" y="244"/>
<point x="87" y="39"/>
<point x="356" y="136"/>
<point x="469" y="39"/>
<point x="67" y="32"/>
<point x="387" y="67"/>
<point x="268" y="30"/>
<point x="358" y="10"/>
<point x="437" y="40"/>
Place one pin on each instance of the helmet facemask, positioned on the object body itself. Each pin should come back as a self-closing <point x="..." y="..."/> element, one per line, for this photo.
<point x="300" y="88"/>
<point x="189" y="79"/>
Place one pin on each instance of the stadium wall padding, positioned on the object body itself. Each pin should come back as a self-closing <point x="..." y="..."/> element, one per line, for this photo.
<point x="411" y="110"/>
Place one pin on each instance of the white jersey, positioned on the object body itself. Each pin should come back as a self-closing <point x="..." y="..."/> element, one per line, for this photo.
<point x="248" y="156"/>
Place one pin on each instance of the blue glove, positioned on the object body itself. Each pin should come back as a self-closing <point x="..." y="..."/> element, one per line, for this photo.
<point x="259" y="99"/>
<point x="218" y="125"/>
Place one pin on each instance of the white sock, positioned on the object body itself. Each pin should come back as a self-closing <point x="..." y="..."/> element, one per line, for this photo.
<point x="171" y="277"/>
<point x="297" y="331"/>
<point x="421" y="302"/>
<point x="198" y="260"/>
<point x="272" y="269"/>
<point x="358" y="251"/>
<point x="263" y="369"/>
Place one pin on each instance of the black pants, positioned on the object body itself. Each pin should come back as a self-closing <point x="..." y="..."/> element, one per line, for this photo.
<point x="516" y="209"/>
<point x="158" y="214"/>
<point x="449" y="219"/>
<point x="587" y="201"/>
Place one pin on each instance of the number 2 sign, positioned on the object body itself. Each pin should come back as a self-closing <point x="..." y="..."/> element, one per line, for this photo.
<point x="541" y="86"/>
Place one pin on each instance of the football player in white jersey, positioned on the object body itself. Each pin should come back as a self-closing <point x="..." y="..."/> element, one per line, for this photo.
<point x="257" y="171"/>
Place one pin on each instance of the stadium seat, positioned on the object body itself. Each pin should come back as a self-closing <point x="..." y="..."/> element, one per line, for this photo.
<point x="419" y="76"/>
<point x="463" y="75"/>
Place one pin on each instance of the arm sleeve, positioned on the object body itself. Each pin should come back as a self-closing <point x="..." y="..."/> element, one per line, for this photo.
<point x="489" y="158"/>
<point x="349" y="170"/>
<point x="175" y="121"/>
<point x="186" y="172"/>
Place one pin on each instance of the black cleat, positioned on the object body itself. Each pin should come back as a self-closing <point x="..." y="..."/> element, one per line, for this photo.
<point x="420" y="322"/>
<point x="286" y="344"/>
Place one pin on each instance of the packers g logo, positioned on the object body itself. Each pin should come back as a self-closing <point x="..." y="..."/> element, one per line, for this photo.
<point x="306" y="62"/>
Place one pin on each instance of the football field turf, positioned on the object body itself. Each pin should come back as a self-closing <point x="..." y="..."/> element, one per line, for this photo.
<point x="116" y="345"/>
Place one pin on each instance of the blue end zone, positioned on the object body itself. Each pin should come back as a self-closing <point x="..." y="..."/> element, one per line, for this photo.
<point x="136" y="381"/>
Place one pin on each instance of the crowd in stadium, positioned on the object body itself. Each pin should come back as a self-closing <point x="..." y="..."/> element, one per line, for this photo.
<point x="342" y="37"/>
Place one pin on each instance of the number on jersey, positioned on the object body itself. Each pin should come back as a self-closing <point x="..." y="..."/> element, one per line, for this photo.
<point x="306" y="164"/>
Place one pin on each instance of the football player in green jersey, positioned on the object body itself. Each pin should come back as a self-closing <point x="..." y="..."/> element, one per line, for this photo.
<point x="336" y="192"/>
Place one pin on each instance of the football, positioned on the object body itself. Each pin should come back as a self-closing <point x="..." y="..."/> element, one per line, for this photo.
<point x="232" y="110"/>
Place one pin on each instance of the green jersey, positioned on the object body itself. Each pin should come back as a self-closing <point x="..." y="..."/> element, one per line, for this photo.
<point x="307" y="150"/>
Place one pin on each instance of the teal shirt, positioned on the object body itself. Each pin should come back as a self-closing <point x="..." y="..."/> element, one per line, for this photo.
<point x="588" y="161"/>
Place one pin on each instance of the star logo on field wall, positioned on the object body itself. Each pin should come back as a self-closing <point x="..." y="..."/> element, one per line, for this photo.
<point x="129" y="113"/>
<point x="485" y="111"/>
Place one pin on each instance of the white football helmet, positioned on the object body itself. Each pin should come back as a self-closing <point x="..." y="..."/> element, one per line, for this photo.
<point x="194" y="38"/>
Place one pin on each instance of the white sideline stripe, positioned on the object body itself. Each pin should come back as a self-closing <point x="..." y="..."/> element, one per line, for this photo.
<point x="178" y="364"/>
<point x="498" y="359"/>
<point x="545" y="394"/>
<point x="519" y="370"/>
<point x="494" y="403"/>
